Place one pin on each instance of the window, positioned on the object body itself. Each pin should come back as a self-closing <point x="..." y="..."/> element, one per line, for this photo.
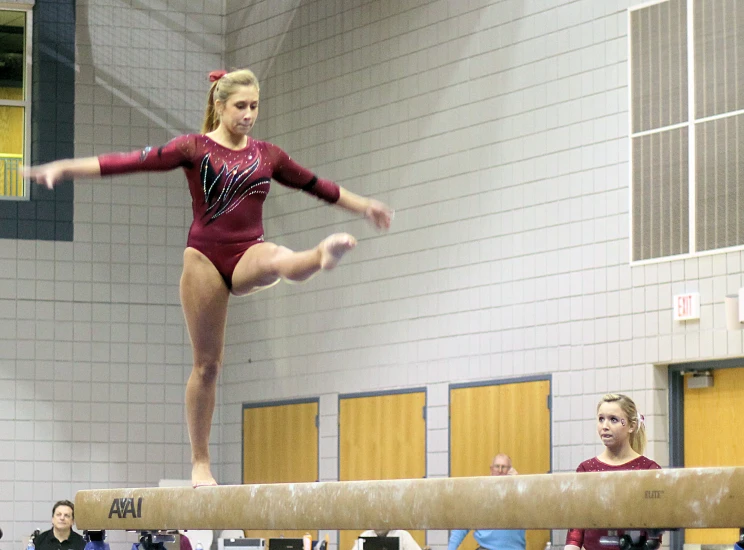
<point x="687" y="127"/>
<point x="14" y="100"/>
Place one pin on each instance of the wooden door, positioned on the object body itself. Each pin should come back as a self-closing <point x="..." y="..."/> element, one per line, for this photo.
<point x="713" y="430"/>
<point x="382" y="437"/>
<point x="505" y="418"/>
<point x="280" y="445"/>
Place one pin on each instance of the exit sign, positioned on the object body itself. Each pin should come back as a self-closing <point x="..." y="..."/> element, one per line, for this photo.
<point x="686" y="306"/>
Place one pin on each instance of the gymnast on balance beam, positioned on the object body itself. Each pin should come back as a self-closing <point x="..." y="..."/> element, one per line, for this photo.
<point x="229" y="176"/>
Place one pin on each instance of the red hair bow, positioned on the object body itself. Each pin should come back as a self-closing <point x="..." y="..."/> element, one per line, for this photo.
<point x="216" y="75"/>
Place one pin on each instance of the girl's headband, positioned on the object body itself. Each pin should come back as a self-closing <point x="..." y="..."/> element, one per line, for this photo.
<point x="214" y="76"/>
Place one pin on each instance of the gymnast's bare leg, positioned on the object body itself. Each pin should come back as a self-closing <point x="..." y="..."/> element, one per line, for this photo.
<point x="265" y="264"/>
<point x="204" y="297"/>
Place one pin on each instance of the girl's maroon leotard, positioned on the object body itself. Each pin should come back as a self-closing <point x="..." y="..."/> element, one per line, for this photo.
<point x="589" y="538"/>
<point x="228" y="189"/>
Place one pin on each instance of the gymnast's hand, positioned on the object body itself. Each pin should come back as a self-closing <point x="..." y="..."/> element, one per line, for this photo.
<point x="49" y="174"/>
<point x="52" y="173"/>
<point x="379" y="214"/>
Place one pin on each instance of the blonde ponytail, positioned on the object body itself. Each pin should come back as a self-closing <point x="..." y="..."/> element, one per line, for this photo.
<point x="211" y="119"/>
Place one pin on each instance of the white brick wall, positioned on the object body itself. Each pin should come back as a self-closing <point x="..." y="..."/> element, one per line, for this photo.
<point x="497" y="130"/>
<point x="94" y="354"/>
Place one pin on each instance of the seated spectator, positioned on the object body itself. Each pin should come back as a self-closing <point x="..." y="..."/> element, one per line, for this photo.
<point x="493" y="539"/>
<point x="61" y="536"/>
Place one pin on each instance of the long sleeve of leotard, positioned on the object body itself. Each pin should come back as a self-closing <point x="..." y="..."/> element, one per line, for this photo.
<point x="289" y="173"/>
<point x="176" y="153"/>
<point x="576" y="536"/>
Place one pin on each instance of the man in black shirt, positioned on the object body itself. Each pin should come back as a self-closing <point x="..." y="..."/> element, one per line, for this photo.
<point x="61" y="536"/>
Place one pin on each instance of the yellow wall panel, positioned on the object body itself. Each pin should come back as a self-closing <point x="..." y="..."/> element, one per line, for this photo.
<point x="712" y="430"/>
<point x="504" y="418"/>
<point x="381" y="437"/>
<point x="11" y="149"/>
<point x="14" y="94"/>
<point x="11" y="130"/>
<point x="280" y="445"/>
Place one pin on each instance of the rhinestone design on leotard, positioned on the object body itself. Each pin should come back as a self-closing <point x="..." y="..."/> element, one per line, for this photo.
<point x="235" y="186"/>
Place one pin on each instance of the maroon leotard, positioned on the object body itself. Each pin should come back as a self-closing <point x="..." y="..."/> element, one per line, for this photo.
<point x="589" y="538"/>
<point x="228" y="189"/>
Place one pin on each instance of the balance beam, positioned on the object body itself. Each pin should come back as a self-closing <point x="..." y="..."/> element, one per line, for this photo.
<point x="660" y="499"/>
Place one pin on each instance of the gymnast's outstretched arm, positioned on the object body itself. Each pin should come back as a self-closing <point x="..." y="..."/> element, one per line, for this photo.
<point x="379" y="214"/>
<point x="175" y="153"/>
<point x="52" y="173"/>
<point x="290" y="173"/>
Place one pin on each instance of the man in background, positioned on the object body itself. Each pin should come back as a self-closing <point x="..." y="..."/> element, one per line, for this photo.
<point x="61" y="536"/>
<point x="493" y="539"/>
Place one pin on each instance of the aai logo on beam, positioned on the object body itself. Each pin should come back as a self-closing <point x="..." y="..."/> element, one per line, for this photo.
<point x="126" y="507"/>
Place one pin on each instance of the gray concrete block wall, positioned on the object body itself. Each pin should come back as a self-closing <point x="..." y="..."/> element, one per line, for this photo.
<point x="497" y="130"/>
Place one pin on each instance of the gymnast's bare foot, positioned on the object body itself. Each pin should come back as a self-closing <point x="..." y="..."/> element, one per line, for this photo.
<point x="333" y="248"/>
<point x="201" y="475"/>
